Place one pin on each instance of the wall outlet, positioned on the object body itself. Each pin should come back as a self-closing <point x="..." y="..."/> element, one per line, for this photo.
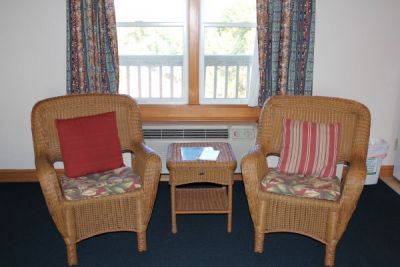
<point x="396" y="143"/>
<point x="243" y="133"/>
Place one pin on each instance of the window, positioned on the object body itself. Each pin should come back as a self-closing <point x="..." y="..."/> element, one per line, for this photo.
<point x="186" y="51"/>
<point x="152" y="46"/>
<point x="227" y="39"/>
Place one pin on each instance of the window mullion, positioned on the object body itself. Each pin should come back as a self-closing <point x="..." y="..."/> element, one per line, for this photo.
<point x="194" y="37"/>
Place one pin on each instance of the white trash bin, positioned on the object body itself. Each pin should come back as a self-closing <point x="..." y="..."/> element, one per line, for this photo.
<point x="377" y="149"/>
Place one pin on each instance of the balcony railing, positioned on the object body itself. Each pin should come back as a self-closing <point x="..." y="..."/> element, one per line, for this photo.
<point x="161" y="77"/>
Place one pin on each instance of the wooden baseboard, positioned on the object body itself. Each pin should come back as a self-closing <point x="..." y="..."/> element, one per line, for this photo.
<point x="29" y="175"/>
<point x="20" y="175"/>
<point x="386" y="171"/>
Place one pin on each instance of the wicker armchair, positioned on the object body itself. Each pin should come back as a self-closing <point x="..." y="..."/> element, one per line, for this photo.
<point x="80" y="219"/>
<point x="322" y="220"/>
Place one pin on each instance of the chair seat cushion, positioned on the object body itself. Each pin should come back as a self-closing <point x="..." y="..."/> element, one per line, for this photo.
<point x="111" y="182"/>
<point x="327" y="188"/>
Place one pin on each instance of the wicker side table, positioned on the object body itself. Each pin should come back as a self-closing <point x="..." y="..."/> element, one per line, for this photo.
<point x="216" y="200"/>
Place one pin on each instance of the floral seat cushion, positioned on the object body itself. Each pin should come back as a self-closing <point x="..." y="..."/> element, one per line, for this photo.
<point x="327" y="188"/>
<point x="116" y="181"/>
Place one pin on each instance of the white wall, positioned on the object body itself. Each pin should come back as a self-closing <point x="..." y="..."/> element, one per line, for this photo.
<point x="357" y="56"/>
<point x="32" y="67"/>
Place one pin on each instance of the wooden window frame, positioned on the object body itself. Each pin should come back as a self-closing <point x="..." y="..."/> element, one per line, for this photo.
<point x="193" y="111"/>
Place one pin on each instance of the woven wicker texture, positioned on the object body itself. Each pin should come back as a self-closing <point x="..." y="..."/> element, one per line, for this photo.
<point x="81" y="219"/>
<point x="187" y="171"/>
<point x="204" y="200"/>
<point x="201" y="200"/>
<point x="322" y="220"/>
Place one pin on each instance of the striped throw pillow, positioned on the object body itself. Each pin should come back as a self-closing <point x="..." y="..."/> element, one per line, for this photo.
<point x="309" y="148"/>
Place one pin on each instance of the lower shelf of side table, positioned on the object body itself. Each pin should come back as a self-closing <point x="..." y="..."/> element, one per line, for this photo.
<point x="201" y="200"/>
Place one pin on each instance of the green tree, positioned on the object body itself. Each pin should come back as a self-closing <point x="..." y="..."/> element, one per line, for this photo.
<point x="154" y="41"/>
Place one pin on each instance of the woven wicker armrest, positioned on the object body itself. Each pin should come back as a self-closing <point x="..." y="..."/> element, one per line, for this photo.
<point x="50" y="186"/>
<point x="47" y="177"/>
<point x="145" y="161"/>
<point x="353" y="182"/>
<point x="254" y="167"/>
<point x="147" y="164"/>
<point x="357" y="171"/>
<point x="352" y="186"/>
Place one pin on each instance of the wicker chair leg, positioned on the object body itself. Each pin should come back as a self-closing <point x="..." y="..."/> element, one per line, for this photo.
<point x="330" y="251"/>
<point x="141" y="241"/>
<point x="71" y="254"/>
<point x="259" y="242"/>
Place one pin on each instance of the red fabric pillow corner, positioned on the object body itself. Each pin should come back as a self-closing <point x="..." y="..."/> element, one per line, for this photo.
<point x="89" y="144"/>
<point x="309" y="148"/>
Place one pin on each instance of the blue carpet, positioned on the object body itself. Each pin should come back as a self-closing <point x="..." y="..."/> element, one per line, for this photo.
<point x="29" y="237"/>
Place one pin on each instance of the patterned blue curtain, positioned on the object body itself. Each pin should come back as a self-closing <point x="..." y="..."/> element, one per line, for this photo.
<point x="286" y="34"/>
<point x="92" y="49"/>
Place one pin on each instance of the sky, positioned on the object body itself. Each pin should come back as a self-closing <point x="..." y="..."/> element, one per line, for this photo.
<point x="155" y="10"/>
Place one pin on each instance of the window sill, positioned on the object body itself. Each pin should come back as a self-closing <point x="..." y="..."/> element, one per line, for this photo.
<point x="199" y="113"/>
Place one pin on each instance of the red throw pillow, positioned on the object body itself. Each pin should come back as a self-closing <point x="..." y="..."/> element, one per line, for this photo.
<point x="89" y="144"/>
<point x="309" y="148"/>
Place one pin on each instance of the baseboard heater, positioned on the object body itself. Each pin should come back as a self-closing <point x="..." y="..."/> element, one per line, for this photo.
<point x="159" y="136"/>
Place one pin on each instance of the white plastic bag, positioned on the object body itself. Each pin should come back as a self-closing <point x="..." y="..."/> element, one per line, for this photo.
<point x="377" y="148"/>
